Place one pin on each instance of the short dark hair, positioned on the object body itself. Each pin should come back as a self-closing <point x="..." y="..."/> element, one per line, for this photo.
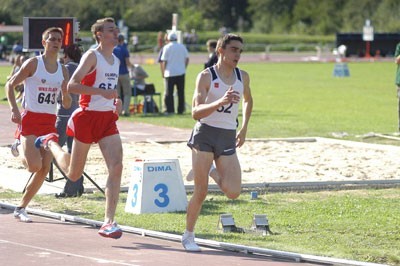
<point x="74" y="52"/>
<point x="226" y="39"/>
<point x="47" y="32"/>
<point x="212" y="43"/>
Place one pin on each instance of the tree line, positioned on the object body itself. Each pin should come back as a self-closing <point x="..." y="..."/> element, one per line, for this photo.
<point x="310" y="17"/>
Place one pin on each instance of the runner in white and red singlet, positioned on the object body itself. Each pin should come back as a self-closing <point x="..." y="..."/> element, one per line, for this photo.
<point x="95" y="120"/>
<point x="44" y="78"/>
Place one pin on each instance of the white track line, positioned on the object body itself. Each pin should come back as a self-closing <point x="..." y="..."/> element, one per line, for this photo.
<point x="98" y="260"/>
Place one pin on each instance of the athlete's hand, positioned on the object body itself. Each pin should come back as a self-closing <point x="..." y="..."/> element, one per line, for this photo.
<point x="241" y="137"/>
<point x="109" y="94"/>
<point x="118" y="106"/>
<point x="64" y="88"/>
<point x="16" y="116"/>
<point x="230" y="96"/>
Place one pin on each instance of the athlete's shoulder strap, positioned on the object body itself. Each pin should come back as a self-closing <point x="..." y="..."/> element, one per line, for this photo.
<point x="213" y="73"/>
<point x="238" y="74"/>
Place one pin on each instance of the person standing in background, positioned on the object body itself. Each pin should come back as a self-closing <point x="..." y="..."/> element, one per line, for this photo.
<point x="124" y="87"/>
<point x="174" y="61"/>
<point x="212" y="55"/>
<point x="135" y="42"/>
<point x="72" y="57"/>
<point x="160" y="41"/>
<point x="397" y="61"/>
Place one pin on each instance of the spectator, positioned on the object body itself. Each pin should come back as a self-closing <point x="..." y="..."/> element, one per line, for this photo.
<point x="17" y="47"/>
<point x="135" y="42"/>
<point x="174" y="61"/>
<point x="138" y="74"/>
<point x="212" y="56"/>
<point x="72" y="57"/>
<point x="124" y="83"/>
<point x="160" y="40"/>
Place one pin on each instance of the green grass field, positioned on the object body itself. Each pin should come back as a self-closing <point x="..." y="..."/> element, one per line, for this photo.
<point x="302" y="99"/>
<point x="290" y="100"/>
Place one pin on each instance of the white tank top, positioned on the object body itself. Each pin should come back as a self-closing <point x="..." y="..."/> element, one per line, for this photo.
<point x="42" y="89"/>
<point x="225" y="117"/>
<point x="104" y="76"/>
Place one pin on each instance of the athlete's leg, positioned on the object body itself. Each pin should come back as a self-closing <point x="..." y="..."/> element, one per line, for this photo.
<point x="75" y="161"/>
<point x="111" y="148"/>
<point x="71" y="164"/>
<point x="32" y="159"/>
<point x="201" y="162"/>
<point x="229" y="175"/>
<point x="38" y="177"/>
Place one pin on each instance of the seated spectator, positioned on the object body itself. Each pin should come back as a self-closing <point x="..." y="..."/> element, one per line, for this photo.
<point x="138" y="75"/>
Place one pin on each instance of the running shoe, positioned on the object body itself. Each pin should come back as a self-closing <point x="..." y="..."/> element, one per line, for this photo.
<point x="43" y="141"/>
<point x="189" y="244"/>
<point x="21" y="215"/>
<point x="110" y="230"/>
<point x="14" y="148"/>
<point x="190" y="175"/>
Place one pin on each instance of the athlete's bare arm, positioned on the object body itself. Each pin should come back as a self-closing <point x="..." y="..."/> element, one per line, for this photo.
<point x="88" y="64"/>
<point x="247" y="107"/>
<point x="66" y="99"/>
<point x="26" y="70"/>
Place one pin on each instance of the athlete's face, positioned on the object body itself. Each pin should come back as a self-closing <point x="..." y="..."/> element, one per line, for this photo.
<point x="53" y="42"/>
<point x="231" y="53"/>
<point x="110" y="34"/>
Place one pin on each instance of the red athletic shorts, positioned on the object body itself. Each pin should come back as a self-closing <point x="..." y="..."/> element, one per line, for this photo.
<point x="91" y="126"/>
<point x="37" y="124"/>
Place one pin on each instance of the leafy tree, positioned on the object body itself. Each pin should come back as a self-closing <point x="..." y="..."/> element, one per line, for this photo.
<point x="271" y="16"/>
<point x="265" y="16"/>
<point x="355" y="12"/>
<point x="191" y="19"/>
<point x="226" y="13"/>
<point x="316" y="17"/>
<point x="154" y="15"/>
<point x="386" y="17"/>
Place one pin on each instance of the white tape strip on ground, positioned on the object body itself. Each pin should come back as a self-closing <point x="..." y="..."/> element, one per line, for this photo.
<point x="203" y="242"/>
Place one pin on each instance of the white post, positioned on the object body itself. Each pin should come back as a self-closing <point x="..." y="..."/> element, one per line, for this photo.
<point x="174" y="21"/>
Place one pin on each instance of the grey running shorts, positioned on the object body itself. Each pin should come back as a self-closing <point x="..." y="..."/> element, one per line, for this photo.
<point x="213" y="139"/>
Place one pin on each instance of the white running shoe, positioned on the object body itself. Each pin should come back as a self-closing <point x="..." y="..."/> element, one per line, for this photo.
<point x="212" y="173"/>
<point x="189" y="244"/>
<point x="190" y="176"/>
<point x="14" y="148"/>
<point x="22" y="216"/>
